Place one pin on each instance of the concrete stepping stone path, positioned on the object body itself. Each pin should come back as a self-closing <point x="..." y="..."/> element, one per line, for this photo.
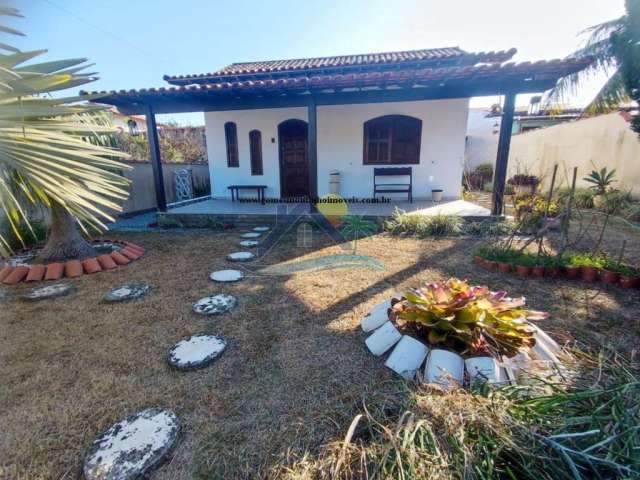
<point x="261" y="229"/>
<point x="250" y="235"/>
<point x="215" y="304"/>
<point x="226" y="276"/>
<point x="240" y="256"/>
<point x="132" y="447"/>
<point x="127" y="291"/>
<point x="249" y="243"/>
<point x="49" y="291"/>
<point x="196" y="351"/>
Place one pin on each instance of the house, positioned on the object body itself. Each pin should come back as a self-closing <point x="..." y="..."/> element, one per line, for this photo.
<point x="288" y="124"/>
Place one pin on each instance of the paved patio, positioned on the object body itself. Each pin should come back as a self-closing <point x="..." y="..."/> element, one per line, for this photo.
<point x="423" y="207"/>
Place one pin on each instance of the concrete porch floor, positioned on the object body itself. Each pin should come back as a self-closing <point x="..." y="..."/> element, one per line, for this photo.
<point x="424" y="207"/>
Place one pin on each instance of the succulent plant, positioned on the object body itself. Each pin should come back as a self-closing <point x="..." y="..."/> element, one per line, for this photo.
<point x="470" y="319"/>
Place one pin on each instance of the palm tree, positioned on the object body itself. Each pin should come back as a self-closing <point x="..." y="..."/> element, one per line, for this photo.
<point x="614" y="46"/>
<point x="53" y="152"/>
<point x="356" y="226"/>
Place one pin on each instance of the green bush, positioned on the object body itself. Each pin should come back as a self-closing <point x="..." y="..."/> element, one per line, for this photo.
<point x="582" y="198"/>
<point x="402" y="223"/>
<point x="30" y="237"/>
<point x="443" y="226"/>
<point x="579" y="259"/>
<point x="615" y="202"/>
<point x="488" y="228"/>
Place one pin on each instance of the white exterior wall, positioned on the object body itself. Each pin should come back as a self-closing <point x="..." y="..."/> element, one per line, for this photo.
<point x="340" y="146"/>
<point x="602" y="141"/>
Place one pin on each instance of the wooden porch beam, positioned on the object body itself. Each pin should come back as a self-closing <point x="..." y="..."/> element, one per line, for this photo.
<point x="502" y="158"/>
<point x="156" y="160"/>
<point x="312" y="117"/>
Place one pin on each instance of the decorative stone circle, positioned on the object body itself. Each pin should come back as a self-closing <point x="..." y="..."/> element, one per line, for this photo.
<point x="226" y="276"/>
<point x="133" y="446"/>
<point x="261" y="229"/>
<point x="196" y="351"/>
<point x="240" y="256"/>
<point x="127" y="291"/>
<point x="215" y="304"/>
<point x="447" y="369"/>
<point x="250" y="235"/>
<point x="49" y="291"/>
<point x="249" y="243"/>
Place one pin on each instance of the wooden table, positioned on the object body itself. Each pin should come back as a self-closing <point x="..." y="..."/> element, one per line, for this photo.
<point x="235" y="190"/>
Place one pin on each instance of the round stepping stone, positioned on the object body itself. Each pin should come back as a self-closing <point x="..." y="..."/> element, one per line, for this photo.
<point x="250" y="235"/>
<point x="133" y="446"/>
<point x="240" y="256"/>
<point x="249" y="243"/>
<point x="226" y="276"/>
<point x="261" y="229"/>
<point x="127" y="291"/>
<point x="49" y="291"/>
<point x="215" y="304"/>
<point x="196" y="351"/>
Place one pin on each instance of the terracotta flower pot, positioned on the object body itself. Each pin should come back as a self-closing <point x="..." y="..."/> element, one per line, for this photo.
<point x="589" y="274"/>
<point x="523" y="270"/>
<point x="491" y="265"/>
<point x="552" y="271"/>
<point x="629" y="282"/>
<point x="478" y="260"/>
<point x="538" y="271"/>
<point x="36" y="273"/>
<point x="572" y="272"/>
<point x="610" y="277"/>
<point x="504" y="267"/>
<point x="54" y="271"/>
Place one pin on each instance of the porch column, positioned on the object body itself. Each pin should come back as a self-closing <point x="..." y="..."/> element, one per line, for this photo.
<point x="156" y="161"/>
<point x="502" y="158"/>
<point x="313" y="148"/>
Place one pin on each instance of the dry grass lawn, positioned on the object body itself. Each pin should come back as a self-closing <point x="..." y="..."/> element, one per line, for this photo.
<point x="294" y="374"/>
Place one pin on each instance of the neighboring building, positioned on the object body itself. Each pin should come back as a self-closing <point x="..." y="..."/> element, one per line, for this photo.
<point x="132" y="124"/>
<point x="588" y="143"/>
<point x="287" y="124"/>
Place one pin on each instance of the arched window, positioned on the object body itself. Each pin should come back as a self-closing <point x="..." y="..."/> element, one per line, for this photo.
<point x="255" y="151"/>
<point x="231" y="137"/>
<point x="392" y="139"/>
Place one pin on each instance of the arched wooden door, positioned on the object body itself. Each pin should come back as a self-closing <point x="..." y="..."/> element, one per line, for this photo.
<point x="294" y="162"/>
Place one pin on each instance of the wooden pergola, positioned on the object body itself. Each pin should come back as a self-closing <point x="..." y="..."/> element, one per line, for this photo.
<point x="314" y="89"/>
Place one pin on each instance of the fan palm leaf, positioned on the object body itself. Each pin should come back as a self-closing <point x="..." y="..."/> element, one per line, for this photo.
<point x="53" y="151"/>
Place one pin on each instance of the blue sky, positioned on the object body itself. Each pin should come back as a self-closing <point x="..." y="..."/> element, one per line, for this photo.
<point x="133" y="43"/>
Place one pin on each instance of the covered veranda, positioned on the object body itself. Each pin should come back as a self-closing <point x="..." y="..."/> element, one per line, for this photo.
<point x="313" y="91"/>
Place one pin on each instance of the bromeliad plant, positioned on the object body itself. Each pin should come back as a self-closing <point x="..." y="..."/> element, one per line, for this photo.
<point x="469" y="319"/>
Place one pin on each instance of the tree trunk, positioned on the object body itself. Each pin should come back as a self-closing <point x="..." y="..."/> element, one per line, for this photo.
<point x="65" y="241"/>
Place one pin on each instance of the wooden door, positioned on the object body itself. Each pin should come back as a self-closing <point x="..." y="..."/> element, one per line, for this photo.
<point x="294" y="166"/>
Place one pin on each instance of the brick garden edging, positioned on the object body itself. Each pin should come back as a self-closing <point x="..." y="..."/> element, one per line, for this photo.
<point x="11" y="275"/>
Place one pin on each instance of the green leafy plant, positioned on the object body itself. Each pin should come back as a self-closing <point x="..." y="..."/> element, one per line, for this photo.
<point x="467" y="319"/>
<point x="54" y="152"/>
<point x="601" y="180"/>
<point x="578" y="259"/>
<point x="582" y="197"/>
<point x="442" y="225"/>
<point x="620" y="268"/>
<point x="615" y="202"/>
<point x="402" y="223"/>
<point x="524" y="180"/>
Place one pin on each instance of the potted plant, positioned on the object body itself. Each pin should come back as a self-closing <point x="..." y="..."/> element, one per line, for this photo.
<point x="436" y="194"/>
<point x="569" y="266"/>
<point x="611" y="271"/>
<point x="524" y="184"/>
<point x="590" y="266"/>
<point x="601" y="181"/>
<point x="551" y="266"/>
<point x="629" y="276"/>
<point x="524" y="264"/>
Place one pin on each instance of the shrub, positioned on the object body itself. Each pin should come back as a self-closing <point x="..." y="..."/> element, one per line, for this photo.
<point x="485" y="169"/>
<point x="620" y="268"/>
<point x="522" y="179"/>
<point x="467" y="319"/>
<point x="402" y="223"/>
<point x="30" y="237"/>
<point x="442" y="225"/>
<point x="582" y="197"/>
<point x="578" y="259"/>
<point x="508" y="189"/>
<point x="488" y="228"/>
<point x="615" y="202"/>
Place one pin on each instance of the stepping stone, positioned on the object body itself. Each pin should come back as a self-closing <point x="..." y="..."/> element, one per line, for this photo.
<point x="127" y="291"/>
<point x="376" y="317"/>
<point x="445" y="368"/>
<point x="215" y="304"/>
<point x="240" y="256"/>
<point x="249" y="243"/>
<point x="484" y="369"/>
<point x="261" y="229"/>
<point x="383" y="339"/>
<point x="196" y="351"/>
<point x="49" y="291"/>
<point x="250" y="235"/>
<point x="132" y="447"/>
<point x="407" y="357"/>
<point x="226" y="276"/>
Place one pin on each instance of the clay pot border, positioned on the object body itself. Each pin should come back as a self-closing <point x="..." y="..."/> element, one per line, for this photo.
<point x="10" y="275"/>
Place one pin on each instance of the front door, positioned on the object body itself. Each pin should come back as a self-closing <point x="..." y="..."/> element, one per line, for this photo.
<point x="294" y="167"/>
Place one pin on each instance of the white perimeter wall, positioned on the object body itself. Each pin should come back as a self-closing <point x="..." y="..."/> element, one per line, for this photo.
<point x="340" y="146"/>
<point x="603" y="141"/>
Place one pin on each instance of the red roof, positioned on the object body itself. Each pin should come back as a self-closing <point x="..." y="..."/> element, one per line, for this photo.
<point x="414" y="58"/>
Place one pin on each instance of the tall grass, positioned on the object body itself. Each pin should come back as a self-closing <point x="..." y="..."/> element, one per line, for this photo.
<point x="580" y="431"/>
